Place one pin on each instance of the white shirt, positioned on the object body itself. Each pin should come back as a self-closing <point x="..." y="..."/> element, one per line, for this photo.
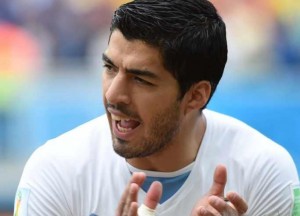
<point x="78" y="173"/>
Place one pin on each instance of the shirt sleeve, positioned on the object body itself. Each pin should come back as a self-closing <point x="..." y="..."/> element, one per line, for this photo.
<point x="42" y="188"/>
<point x="270" y="192"/>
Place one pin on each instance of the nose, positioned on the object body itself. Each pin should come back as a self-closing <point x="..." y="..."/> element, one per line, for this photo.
<point x="118" y="90"/>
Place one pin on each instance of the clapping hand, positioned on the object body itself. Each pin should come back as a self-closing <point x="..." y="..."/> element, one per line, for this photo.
<point x="128" y="205"/>
<point x="212" y="204"/>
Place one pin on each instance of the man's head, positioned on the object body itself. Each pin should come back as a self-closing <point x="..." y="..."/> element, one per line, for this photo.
<point x="163" y="61"/>
<point x="189" y="34"/>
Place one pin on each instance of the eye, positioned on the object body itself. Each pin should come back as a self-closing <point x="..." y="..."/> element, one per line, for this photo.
<point x="142" y="81"/>
<point x="110" y="70"/>
<point x="108" y="67"/>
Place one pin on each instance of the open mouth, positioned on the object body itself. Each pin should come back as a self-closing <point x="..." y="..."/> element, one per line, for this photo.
<point x="124" y="125"/>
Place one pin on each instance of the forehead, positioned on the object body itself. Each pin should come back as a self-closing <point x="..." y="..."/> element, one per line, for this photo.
<point x="133" y="53"/>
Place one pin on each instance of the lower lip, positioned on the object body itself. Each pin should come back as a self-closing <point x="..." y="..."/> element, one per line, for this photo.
<point x="123" y="135"/>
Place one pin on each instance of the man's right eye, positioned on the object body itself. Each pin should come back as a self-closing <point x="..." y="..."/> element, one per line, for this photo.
<point x="108" y="67"/>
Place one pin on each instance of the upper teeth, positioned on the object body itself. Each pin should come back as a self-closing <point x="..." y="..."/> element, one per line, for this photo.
<point x="118" y="118"/>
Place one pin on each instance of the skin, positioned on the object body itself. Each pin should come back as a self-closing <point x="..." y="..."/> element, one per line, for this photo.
<point x="212" y="204"/>
<point x="136" y="86"/>
<point x="133" y="97"/>
<point x="128" y="204"/>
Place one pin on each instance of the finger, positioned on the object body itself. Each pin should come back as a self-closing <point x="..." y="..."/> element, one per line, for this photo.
<point x="202" y="211"/>
<point x="133" y="192"/>
<point x="238" y="202"/>
<point x="153" y="195"/>
<point x="137" y="178"/>
<point x="133" y="209"/>
<point x="132" y="197"/>
<point x="219" y="182"/>
<point x="218" y="203"/>
<point x="122" y="201"/>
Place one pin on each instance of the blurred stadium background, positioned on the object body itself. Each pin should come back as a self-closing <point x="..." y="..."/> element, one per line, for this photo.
<point x="50" y="73"/>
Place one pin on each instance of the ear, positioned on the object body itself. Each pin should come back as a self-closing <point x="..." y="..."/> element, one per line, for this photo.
<point x="197" y="96"/>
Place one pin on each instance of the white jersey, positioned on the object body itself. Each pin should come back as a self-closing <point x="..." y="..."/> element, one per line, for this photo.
<point x="79" y="173"/>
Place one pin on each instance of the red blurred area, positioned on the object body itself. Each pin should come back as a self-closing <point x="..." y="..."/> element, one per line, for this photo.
<point x="19" y="52"/>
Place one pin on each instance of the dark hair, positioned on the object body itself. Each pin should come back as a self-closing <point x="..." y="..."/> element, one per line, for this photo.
<point x="190" y="35"/>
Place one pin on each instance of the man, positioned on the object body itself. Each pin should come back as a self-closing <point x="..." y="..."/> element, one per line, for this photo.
<point x="163" y="63"/>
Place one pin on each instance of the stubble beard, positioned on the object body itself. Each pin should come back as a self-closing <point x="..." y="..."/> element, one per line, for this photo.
<point x="162" y="130"/>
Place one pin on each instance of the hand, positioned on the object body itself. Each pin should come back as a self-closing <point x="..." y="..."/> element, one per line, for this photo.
<point x="213" y="204"/>
<point x="128" y="205"/>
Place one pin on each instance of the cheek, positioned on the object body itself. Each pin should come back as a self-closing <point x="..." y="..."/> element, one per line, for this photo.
<point x="150" y="107"/>
<point x="105" y="84"/>
<point x="145" y="108"/>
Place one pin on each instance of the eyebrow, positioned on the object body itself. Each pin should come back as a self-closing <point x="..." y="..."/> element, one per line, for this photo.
<point x="108" y="60"/>
<point x="137" y="72"/>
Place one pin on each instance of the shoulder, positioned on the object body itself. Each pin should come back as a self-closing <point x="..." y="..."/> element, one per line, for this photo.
<point x="71" y="167"/>
<point x="82" y="140"/>
<point x="246" y="150"/>
<point x="234" y="134"/>
<point x="224" y="121"/>
<point x="67" y="153"/>
<point x="259" y="168"/>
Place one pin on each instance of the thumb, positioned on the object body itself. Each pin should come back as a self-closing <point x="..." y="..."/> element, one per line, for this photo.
<point x="153" y="195"/>
<point x="219" y="182"/>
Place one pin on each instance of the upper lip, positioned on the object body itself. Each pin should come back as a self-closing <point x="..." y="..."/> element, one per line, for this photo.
<point x="119" y="114"/>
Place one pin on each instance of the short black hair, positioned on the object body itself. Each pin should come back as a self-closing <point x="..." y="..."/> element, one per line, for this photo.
<point x="190" y="35"/>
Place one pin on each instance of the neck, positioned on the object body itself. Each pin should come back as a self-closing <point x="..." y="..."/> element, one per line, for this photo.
<point x="180" y="152"/>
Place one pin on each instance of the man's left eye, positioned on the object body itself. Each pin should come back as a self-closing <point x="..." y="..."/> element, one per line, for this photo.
<point x="142" y="81"/>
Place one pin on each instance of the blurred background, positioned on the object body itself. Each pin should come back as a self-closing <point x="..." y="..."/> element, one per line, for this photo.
<point x="50" y="73"/>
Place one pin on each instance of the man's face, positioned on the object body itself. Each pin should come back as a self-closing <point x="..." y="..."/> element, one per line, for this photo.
<point x="140" y="96"/>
